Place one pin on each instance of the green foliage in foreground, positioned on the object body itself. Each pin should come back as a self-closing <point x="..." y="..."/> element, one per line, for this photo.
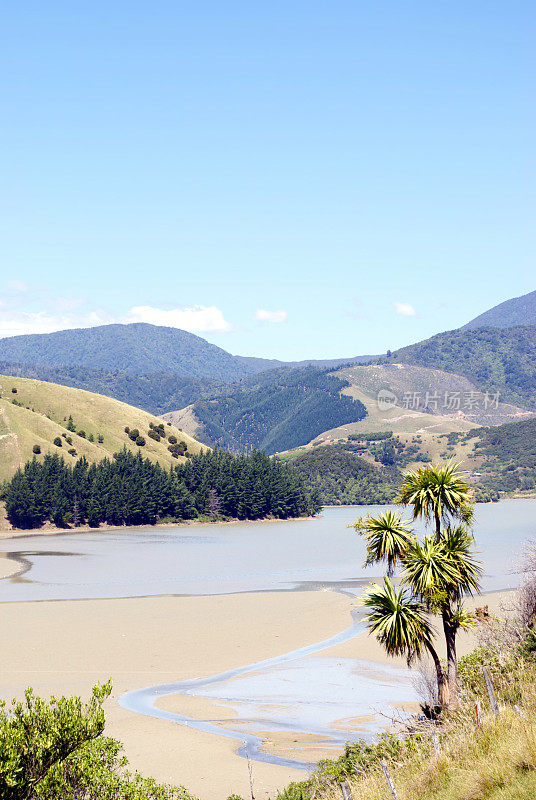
<point x="496" y="761"/>
<point x="54" y="750"/>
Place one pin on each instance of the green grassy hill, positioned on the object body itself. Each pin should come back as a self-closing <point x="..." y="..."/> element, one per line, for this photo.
<point x="37" y="413"/>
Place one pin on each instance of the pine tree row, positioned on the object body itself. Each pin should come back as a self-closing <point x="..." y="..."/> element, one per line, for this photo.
<point x="131" y="490"/>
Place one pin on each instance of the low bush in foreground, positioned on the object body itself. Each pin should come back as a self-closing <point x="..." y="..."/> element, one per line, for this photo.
<point x="55" y="750"/>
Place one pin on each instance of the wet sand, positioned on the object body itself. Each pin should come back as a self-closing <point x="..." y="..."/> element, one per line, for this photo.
<point x="64" y="647"/>
<point x="8" y="566"/>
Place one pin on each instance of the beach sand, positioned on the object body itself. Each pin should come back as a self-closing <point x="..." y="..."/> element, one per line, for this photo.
<point x="64" y="647"/>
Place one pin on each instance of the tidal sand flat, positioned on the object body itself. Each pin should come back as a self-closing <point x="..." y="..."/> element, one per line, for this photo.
<point x="254" y="593"/>
<point x="64" y="647"/>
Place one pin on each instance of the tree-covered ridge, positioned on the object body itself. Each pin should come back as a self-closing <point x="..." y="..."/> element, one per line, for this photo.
<point x="495" y="359"/>
<point x="131" y="490"/>
<point x="277" y="410"/>
<point x="135" y="348"/>
<point x="516" y="311"/>
<point x="340" y="477"/>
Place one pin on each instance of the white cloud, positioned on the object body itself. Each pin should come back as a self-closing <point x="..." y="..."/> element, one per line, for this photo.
<point x="198" y="319"/>
<point x="263" y="315"/>
<point x="17" y="323"/>
<point x="404" y="309"/>
<point x="51" y="314"/>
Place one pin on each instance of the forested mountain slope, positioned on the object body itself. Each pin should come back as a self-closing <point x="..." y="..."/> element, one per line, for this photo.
<point x="342" y="477"/>
<point x="276" y="411"/>
<point x="137" y="348"/>
<point x="506" y="455"/>
<point x="495" y="359"/>
<point x="516" y="311"/>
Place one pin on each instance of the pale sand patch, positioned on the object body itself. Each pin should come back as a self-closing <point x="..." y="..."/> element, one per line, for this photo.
<point x="63" y="647"/>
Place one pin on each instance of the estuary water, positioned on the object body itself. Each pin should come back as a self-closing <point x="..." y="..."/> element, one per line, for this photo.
<point x="302" y="691"/>
<point x="241" y="557"/>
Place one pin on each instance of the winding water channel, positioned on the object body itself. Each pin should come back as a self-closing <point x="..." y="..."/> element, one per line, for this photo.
<point x="304" y="694"/>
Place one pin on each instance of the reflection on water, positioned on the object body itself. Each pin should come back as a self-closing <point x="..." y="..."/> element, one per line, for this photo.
<point x="319" y="696"/>
<point x="219" y="559"/>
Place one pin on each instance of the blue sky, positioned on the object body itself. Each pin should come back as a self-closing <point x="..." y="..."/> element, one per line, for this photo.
<point x="286" y="179"/>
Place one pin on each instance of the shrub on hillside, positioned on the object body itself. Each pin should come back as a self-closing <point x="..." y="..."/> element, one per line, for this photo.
<point x="82" y="434"/>
<point x="140" y="441"/>
<point x="57" y="441"/>
<point x="154" y="435"/>
<point x="178" y="449"/>
<point x="36" y="449"/>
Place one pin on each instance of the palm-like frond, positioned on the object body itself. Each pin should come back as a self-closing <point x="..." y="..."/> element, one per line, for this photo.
<point x="458" y="543"/>
<point x="438" y="491"/>
<point x="429" y="571"/>
<point x="387" y="537"/>
<point x="461" y="618"/>
<point x="443" y="569"/>
<point x="398" y="620"/>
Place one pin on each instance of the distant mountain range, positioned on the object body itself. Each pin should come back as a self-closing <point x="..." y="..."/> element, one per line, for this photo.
<point x="137" y="349"/>
<point x="517" y="311"/>
<point x="241" y="402"/>
<point x="142" y="349"/>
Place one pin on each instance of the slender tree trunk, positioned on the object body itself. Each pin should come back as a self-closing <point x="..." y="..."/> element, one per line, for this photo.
<point x="442" y="682"/>
<point x="452" y="659"/>
<point x="437" y="526"/>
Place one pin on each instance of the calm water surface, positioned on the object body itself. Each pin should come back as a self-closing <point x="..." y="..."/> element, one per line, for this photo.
<point x="220" y="559"/>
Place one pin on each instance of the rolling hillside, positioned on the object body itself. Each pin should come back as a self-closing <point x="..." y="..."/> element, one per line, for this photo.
<point x="394" y="438"/>
<point x="37" y="413"/>
<point x="516" y="311"/>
